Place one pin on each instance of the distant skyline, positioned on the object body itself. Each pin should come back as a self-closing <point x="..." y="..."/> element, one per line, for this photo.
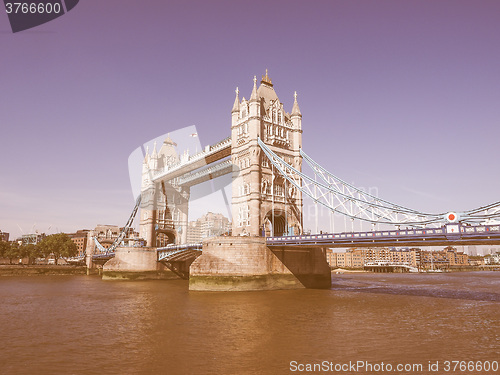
<point x="398" y="97"/>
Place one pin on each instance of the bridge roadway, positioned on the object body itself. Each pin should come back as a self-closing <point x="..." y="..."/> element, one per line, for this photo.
<point x="451" y="234"/>
<point x="178" y="253"/>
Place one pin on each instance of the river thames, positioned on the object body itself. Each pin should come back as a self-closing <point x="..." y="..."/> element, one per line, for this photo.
<point x="83" y="325"/>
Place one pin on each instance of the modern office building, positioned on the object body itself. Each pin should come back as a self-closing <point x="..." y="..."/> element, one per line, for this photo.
<point x="209" y="225"/>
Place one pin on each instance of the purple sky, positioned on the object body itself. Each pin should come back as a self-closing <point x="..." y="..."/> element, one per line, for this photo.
<point x="398" y="96"/>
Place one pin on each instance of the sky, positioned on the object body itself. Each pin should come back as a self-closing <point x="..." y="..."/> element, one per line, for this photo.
<point x="398" y="97"/>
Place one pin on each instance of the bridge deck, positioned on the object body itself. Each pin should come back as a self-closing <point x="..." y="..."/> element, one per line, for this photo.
<point x="449" y="235"/>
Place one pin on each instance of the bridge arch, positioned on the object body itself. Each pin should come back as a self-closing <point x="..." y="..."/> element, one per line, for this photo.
<point x="165" y="237"/>
<point x="275" y="223"/>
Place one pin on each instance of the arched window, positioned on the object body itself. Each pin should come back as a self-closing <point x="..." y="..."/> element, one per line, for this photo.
<point x="278" y="190"/>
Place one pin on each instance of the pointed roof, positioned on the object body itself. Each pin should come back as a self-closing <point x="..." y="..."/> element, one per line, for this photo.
<point x="167" y="155"/>
<point x="295" y="108"/>
<point x="168" y="141"/>
<point x="236" y="106"/>
<point x="154" y="155"/>
<point x="267" y="93"/>
<point x="254" y="96"/>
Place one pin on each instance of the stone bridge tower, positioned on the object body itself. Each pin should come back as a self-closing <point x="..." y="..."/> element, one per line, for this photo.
<point x="264" y="203"/>
<point x="164" y="206"/>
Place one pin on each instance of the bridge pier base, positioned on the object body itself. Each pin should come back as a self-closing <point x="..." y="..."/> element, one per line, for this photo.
<point x="246" y="263"/>
<point x="135" y="263"/>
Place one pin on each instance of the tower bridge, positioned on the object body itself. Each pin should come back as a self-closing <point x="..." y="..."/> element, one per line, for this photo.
<point x="268" y="248"/>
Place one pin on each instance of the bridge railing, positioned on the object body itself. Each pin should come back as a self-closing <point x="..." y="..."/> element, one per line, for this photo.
<point x="222" y="144"/>
<point x="213" y="169"/>
<point x="387" y="263"/>
<point x="444" y="232"/>
<point x="174" y="251"/>
<point x="178" y="247"/>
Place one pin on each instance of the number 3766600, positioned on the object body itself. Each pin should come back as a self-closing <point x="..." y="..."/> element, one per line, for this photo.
<point x="33" y="8"/>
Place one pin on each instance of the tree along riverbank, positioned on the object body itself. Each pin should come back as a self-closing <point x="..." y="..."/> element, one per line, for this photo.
<point x="40" y="270"/>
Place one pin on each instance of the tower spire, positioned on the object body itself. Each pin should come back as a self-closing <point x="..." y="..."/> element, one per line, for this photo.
<point x="236" y="106"/>
<point x="266" y="79"/>
<point x="154" y="155"/>
<point x="295" y="108"/>
<point x="254" y="90"/>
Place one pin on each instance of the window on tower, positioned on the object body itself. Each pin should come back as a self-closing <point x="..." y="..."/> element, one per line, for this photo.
<point x="243" y="216"/>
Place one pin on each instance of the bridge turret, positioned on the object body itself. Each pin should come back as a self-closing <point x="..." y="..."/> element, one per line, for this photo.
<point x="254" y="100"/>
<point x="254" y="120"/>
<point x="296" y="118"/>
<point x="153" y="165"/>
<point x="146" y="173"/>
<point x="296" y="115"/>
<point x="235" y="112"/>
<point x="295" y="109"/>
<point x="147" y="201"/>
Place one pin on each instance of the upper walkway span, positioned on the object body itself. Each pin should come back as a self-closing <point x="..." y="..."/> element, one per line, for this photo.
<point x="208" y="156"/>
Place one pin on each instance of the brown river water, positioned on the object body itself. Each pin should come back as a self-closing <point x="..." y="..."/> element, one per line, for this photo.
<point x="83" y="325"/>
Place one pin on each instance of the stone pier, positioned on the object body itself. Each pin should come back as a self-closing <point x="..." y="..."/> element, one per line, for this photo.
<point x="246" y="263"/>
<point x="135" y="263"/>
